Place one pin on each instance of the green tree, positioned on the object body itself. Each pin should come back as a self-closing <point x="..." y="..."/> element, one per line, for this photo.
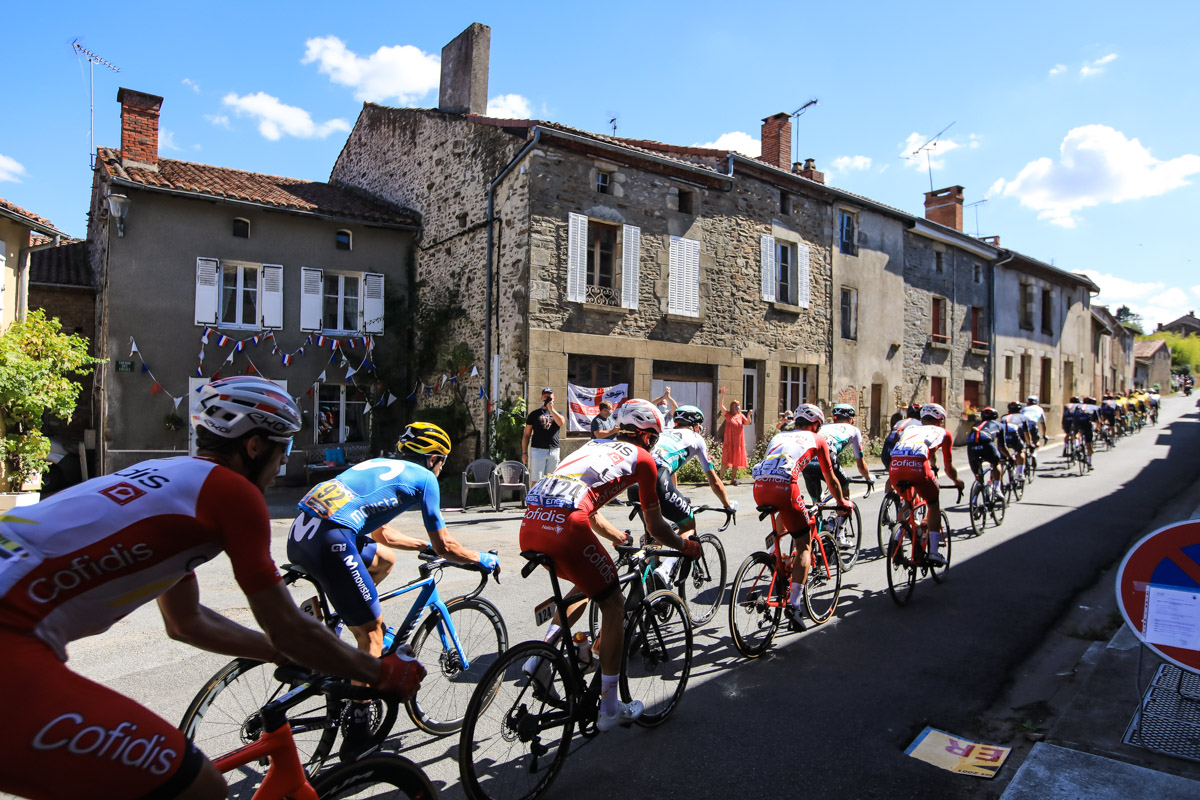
<point x="1185" y="351"/>
<point x="37" y="362"/>
<point x="1126" y="317"/>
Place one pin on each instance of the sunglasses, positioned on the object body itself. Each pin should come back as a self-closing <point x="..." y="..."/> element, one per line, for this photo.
<point x="286" y="441"/>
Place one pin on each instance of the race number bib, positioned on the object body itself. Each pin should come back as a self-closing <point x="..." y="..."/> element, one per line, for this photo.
<point x="327" y="498"/>
<point x="557" y="491"/>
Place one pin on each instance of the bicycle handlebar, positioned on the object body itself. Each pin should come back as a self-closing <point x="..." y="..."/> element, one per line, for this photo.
<point x="336" y="688"/>
<point x="870" y="482"/>
<point x="730" y="513"/>
<point x="435" y="562"/>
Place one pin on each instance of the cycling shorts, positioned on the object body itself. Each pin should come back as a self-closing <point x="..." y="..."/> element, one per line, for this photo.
<point x="813" y="480"/>
<point x="916" y="471"/>
<point x="977" y="455"/>
<point x="787" y="499"/>
<point x="1085" y="428"/>
<point x="337" y="558"/>
<point x="1013" y="442"/>
<point x="673" y="505"/>
<point x="66" y="736"/>
<point x="566" y="536"/>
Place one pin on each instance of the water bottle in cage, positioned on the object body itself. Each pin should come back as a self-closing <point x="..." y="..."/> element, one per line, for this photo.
<point x="583" y="650"/>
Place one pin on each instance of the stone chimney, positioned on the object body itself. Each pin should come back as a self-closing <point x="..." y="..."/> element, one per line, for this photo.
<point x="139" y="129"/>
<point x="464" y="84"/>
<point x="945" y="207"/>
<point x="809" y="170"/>
<point x="777" y="141"/>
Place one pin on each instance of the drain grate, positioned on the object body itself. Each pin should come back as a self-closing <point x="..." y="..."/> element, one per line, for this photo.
<point x="1168" y="719"/>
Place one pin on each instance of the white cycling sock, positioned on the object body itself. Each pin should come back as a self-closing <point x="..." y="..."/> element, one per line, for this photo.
<point x="551" y="632"/>
<point x="935" y="541"/>
<point x="797" y="591"/>
<point x="531" y="663"/>
<point x="608" y="694"/>
<point x="1020" y="470"/>
<point x="664" y="569"/>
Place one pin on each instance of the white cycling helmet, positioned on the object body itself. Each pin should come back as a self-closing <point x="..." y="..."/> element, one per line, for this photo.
<point x="233" y="407"/>
<point x="933" y="410"/>
<point x="640" y="414"/>
<point x="1031" y="400"/>
<point x="810" y="413"/>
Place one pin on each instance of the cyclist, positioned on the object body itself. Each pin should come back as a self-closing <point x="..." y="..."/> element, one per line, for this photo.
<point x="1037" y="419"/>
<point x="775" y="484"/>
<point x="1122" y="414"/>
<point x="336" y="538"/>
<point x="562" y="520"/>
<point x="77" y="562"/>
<point x="1069" y="415"/>
<point x="839" y="434"/>
<point x="912" y="462"/>
<point x="912" y="416"/>
<point x="1153" y="399"/>
<point x="1087" y="414"/>
<point x="985" y="443"/>
<point x="1108" y="415"/>
<point x="1016" y="436"/>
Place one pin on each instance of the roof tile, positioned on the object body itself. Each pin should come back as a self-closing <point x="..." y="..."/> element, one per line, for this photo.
<point x="65" y="265"/>
<point x="13" y="208"/>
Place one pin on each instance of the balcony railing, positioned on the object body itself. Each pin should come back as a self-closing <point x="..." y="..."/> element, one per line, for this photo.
<point x="602" y="296"/>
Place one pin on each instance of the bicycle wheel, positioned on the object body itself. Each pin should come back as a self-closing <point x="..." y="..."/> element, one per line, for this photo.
<point x="849" y="539"/>
<point x="439" y="706"/>
<point x="978" y="506"/>
<point x="996" y="505"/>
<point x="657" y="658"/>
<point x="225" y="715"/>
<point x="752" y="619"/>
<point x="1015" y="488"/>
<point x="939" y="573"/>
<point x="375" y="776"/>
<point x="824" y="584"/>
<point x="1081" y="460"/>
<point x="1031" y="465"/>
<point x="889" y="516"/>
<point x="702" y="582"/>
<point x="517" y="731"/>
<point x="901" y="566"/>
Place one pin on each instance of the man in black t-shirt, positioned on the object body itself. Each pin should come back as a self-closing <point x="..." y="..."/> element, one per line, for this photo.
<point x="539" y="444"/>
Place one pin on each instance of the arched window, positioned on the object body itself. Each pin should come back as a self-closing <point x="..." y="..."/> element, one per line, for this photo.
<point x="344" y="240"/>
<point x="241" y="228"/>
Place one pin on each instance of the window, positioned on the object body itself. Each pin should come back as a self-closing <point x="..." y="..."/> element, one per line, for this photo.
<point x="977" y="334"/>
<point x="239" y="296"/>
<point x="847" y="227"/>
<point x="686" y="202"/>
<point x="1008" y="368"/>
<point x="1047" y="382"/>
<point x="793" y="387"/>
<point x="937" y="391"/>
<point x="785" y="203"/>
<point x="339" y="414"/>
<point x="602" y="243"/>
<point x="592" y="262"/>
<point x="971" y="392"/>
<point x="979" y="273"/>
<point x="343" y="240"/>
<point x="241" y="228"/>
<point x="785" y="283"/>
<point x="939" y="261"/>
<point x="1047" y="312"/>
<point x="785" y="271"/>
<point x="603" y="182"/>
<point x="596" y="371"/>
<point x="1026" y="307"/>
<point x="849" y="313"/>
<point x="683" y="285"/>
<point x="341" y="302"/>
<point x="938" y="320"/>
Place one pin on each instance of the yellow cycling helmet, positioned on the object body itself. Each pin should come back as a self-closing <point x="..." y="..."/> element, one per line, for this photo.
<point x="424" y="438"/>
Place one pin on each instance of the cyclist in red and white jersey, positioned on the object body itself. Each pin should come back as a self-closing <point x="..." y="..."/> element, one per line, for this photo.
<point x="74" y="564"/>
<point x="562" y="521"/>
<point x="912" y="462"/>
<point x="776" y="483"/>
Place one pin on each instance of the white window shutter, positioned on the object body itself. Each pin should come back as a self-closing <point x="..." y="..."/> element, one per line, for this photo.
<point x="372" y="304"/>
<point x="208" y="290"/>
<point x="272" y="297"/>
<point x="768" y="268"/>
<point x="311" y="286"/>
<point x="691" y="278"/>
<point x="631" y="255"/>
<point x="802" y="279"/>
<point x="577" y="230"/>
<point x="675" y="277"/>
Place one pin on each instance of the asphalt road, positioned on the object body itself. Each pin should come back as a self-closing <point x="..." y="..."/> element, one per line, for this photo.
<point x="828" y="711"/>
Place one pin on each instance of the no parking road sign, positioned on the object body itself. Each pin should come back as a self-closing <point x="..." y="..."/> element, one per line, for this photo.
<point x="1158" y="591"/>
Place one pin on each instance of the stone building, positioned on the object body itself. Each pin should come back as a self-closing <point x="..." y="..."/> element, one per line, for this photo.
<point x="1152" y="364"/>
<point x="1113" y="353"/>
<point x="210" y="270"/>
<point x="22" y="233"/>
<point x="1187" y="325"/>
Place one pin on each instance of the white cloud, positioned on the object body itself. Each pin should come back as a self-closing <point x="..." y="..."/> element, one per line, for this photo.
<point x="847" y="163"/>
<point x="1096" y="67"/>
<point x="1196" y="290"/>
<point x="1153" y="301"/>
<point x="10" y="169"/>
<point x="974" y="140"/>
<point x="1097" y="164"/>
<point x="1058" y="69"/>
<point x="736" y="141"/>
<point x="191" y="83"/>
<point x="939" y="148"/>
<point x="509" y="106"/>
<point x="220" y="120"/>
<point x="401" y="73"/>
<point x="276" y="119"/>
<point x="166" y="140"/>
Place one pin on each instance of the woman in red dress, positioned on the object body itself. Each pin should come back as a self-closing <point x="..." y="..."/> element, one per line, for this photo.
<point x="733" y="449"/>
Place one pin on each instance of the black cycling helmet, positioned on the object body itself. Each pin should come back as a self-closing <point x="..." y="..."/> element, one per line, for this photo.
<point x="687" y="416"/>
<point x="913" y="411"/>
<point x="1074" y="399"/>
<point x="1014" y="407"/>
<point x="988" y="413"/>
<point x="1089" y="401"/>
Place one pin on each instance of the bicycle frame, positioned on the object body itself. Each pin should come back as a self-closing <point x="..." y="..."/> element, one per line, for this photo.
<point x="285" y="774"/>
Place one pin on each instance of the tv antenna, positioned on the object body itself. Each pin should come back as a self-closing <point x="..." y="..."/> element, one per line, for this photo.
<point x="925" y="148"/>
<point x="975" y="206"/>
<point x="613" y="123"/>
<point x="795" y="115"/>
<point x="93" y="60"/>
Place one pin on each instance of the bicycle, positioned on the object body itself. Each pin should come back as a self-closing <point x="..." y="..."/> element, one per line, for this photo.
<point x="889" y="515"/>
<point x="762" y="587"/>
<point x="847" y="530"/>
<point x="1013" y="485"/>
<point x="220" y="715"/>
<point x="536" y="713"/>
<point x="1031" y="463"/>
<point x="909" y="544"/>
<point x="286" y="776"/>
<point x="986" y="500"/>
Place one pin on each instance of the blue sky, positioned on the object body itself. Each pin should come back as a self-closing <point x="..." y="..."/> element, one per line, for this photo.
<point x="1078" y="122"/>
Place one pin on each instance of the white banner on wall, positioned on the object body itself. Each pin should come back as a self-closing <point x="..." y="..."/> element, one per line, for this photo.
<point x="584" y="403"/>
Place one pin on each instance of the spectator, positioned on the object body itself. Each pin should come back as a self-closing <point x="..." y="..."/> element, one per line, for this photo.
<point x="603" y="425"/>
<point x="733" y="451"/>
<point x="539" y="444"/>
<point x="787" y="421"/>
<point x="666" y="406"/>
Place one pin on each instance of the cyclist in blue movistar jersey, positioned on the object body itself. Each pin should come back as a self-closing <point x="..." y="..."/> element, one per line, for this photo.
<point x="343" y="521"/>
<point x="839" y="435"/>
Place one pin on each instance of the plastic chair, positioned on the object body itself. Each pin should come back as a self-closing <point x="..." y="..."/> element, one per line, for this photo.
<point x="509" y="475"/>
<point x="477" y="475"/>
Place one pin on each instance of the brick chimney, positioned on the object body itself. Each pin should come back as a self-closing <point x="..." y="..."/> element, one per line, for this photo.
<point x="809" y="170"/>
<point x="945" y="207"/>
<point x="139" y="128"/>
<point x="464" y="83"/>
<point x="777" y="141"/>
<point x="994" y="241"/>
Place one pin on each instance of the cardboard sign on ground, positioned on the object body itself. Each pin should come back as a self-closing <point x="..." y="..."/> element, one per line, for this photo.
<point x="957" y="754"/>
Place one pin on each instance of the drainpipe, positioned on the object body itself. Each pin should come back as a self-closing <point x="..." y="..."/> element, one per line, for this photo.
<point x="487" y="296"/>
<point x="992" y="323"/>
